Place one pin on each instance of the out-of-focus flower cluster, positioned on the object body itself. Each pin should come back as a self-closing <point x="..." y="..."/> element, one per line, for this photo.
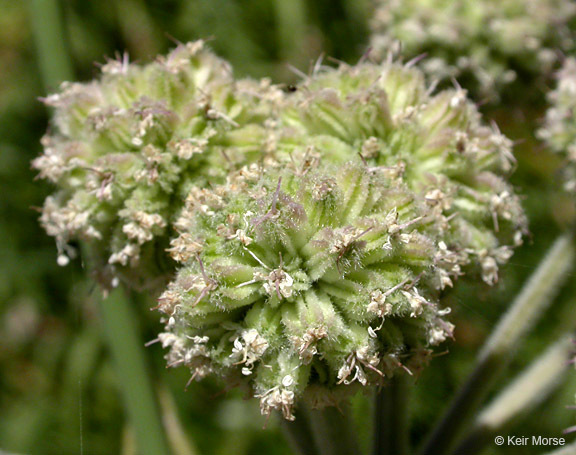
<point x="488" y="43"/>
<point x="559" y="129"/>
<point x="125" y="150"/>
<point x="321" y="266"/>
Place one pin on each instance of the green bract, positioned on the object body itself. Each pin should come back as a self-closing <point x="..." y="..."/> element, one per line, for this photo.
<point x="126" y="149"/>
<point x="322" y="265"/>
<point x="559" y="129"/>
<point x="490" y="42"/>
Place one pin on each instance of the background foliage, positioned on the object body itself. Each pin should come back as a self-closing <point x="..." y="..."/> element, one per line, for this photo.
<point x="57" y="386"/>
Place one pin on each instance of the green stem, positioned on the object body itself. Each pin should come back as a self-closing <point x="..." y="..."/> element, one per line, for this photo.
<point x="334" y="431"/>
<point x="520" y="397"/>
<point x="180" y="441"/>
<point x="53" y="56"/>
<point x="120" y="324"/>
<point x="391" y="419"/>
<point x="299" y="434"/>
<point x="534" y="298"/>
<point x="138" y="28"/>
<point x="291" y="31"/>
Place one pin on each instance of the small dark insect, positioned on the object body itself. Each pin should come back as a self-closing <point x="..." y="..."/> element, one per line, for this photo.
<point x="460" y="146"/>
<point x="291" y="88"/>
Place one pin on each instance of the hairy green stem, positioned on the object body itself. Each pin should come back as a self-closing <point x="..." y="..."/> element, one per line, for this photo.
<point x="527" y="391"/>
<point x="534" y="298"/>
<point x="334" y="432"/>
<point x="299" y="433"/>
<point x="133" y="376"/>
<point x="53" y="56"/>
<point x="391" y="418"/>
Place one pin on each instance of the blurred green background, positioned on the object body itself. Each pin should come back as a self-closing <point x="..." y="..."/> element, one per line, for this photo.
<point x="58" y="388"/>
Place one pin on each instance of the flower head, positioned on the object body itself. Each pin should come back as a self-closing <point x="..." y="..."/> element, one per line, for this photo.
<point x="320" y="268"/>
<point x="436" y="144"/>
<point x="126" y="149"/>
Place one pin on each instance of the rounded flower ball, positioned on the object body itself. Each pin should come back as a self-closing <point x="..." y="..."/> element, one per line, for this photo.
<point x="321" y="268"/>
<point x="487" y="43"/>
<point x="124" y="150"/>
<point x="385" y="117"/>
<point x="559" y="129"/>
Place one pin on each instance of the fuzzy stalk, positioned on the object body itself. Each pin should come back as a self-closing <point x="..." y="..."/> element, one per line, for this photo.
<point x="535" y="297"/>
<point x="134" y="380"/>
<point x="391" y="418"/>
<point x="53" y="56"/>
<point x="334" y="432"/>
<point x="528" y="390"/>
